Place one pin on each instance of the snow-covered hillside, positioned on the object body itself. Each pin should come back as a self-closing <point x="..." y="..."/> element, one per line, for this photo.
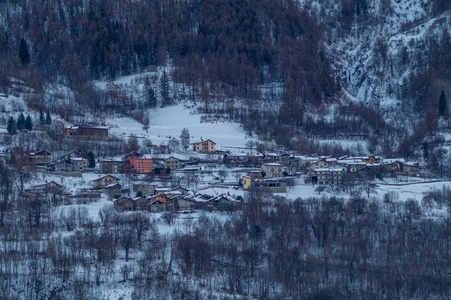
<point x="168" y="122"/>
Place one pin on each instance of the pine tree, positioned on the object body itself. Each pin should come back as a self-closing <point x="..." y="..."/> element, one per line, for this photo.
<point x="442" y="104"/>
<point x="24" y="55"/>
<point x="185" y="138"/>
<point x="12" y="126"/>
<point x="92" y="160"/>
<point x="41" y="116"/>
<point x="21" y="122"/>
<point x="48" y="118"/>
<point x="164" y="89"/>
<point x="28" y="123"/>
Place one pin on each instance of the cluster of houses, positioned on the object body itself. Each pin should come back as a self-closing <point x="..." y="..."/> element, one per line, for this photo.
<point x="178" y="199"/>
<point x="133" y="162"/>
<point x="270" y="172"/>
<point x="320" y="169"/>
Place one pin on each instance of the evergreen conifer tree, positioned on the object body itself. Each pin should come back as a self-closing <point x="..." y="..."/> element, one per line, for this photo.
<point x="164" y="89"/>
<point x="24" y="55"/>
<point x="48" y="118"/>
<point x="41" y="116"/>
<point x="28" y="123"/>
<point x="21" y="122"/>
<point x="92" y="160"/>
<point x="12" y="126"/>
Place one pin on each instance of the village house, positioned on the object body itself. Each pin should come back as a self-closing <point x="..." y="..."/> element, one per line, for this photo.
<point x="184" y="203"/>
<point x="75" y="154"/>
<point x="104" y="181"/>
<point x="114" y="190"/>
<point x="328" y="176"/>
<point x="49" y="187"/>
<point x="204" y="146"/>
<point x="141" y="165"/>
<point x="156" y="206"/>
<point x="225" y="202"/>
<point x="144" y="188"/>
<point x="320" y="164"/>
<point x="40" y="158"/>
<point x="356" y="166"/>
<point x="392" y="165"/>
<point x="411" y="168"/>
<point x="60" y="166"/>
<point x="172" y="163"/>
<point x="141" y="203"/>
<point x="180" y="189"/>
<point x="236" y="159"/>
<point x="269" y="185"/>
<point x="87" y="131"/>
<point x="247" y="182"/>
<point x="111" y="166"/>
<point x="124" y="204"/>
<point x="271" y="158"/>
<point x="255" y="160"/>
<point x="161" y="197"/>
<point x="78" y="164"/>
<point x="272" y="170"/>
<point x="285" y="158"/>
<point x="257" y="174"/>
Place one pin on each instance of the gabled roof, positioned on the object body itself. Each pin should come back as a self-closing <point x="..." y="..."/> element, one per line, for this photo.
<point x="130" y="154"/>
<point x="77" y="159"/>
<point x="113" y="185"/>
<point x="223" y="197"/>
<point x="76" y="153"/>
<point x="203" y="142"/>
<point x="106" y="176"/>
<point x="171" y="158"/>
<point x="123" y="198"/>
<point x="156" y="202"/>
<point x="179" y="188"/>
<point x="42" y="152"/>
<point x="48" y="183"/>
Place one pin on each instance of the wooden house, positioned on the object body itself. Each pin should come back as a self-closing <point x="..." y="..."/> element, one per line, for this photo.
<point x="40" y="158"/>
<point x="172" y="163"/>
<point x="124" y="204"/>
<point x="156" y="206"/>
<point x="204" y="146"/>
<point x="141" y="203"/>
<point x="48" y="187"/>
<point x="87" y="131"/>
<point x="105" y="181"/>
<point x="114" y="190"/>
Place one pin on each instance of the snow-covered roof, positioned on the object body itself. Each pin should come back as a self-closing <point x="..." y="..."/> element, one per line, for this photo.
<point x="273" y="165"/>
<point x="112" y="185"/>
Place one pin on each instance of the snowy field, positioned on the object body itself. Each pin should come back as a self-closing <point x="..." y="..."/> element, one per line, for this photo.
<point x="168" y="122"/>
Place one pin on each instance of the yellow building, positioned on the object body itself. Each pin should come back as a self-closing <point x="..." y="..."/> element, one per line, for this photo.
<point x="247" y="181"/>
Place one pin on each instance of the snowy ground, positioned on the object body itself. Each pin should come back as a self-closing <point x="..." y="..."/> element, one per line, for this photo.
<point x="168" y="122"/>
